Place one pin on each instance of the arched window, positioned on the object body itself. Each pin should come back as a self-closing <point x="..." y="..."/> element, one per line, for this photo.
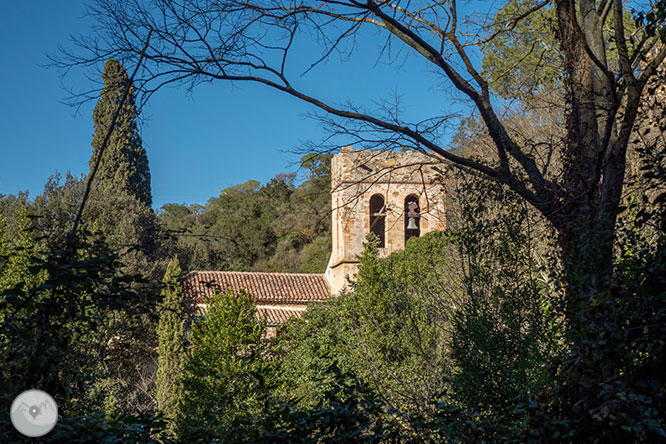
<point x="412" y="217"/>
<point x="378" y="217"/>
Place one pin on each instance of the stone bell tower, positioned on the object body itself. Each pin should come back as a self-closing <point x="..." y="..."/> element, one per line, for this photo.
<point x="395" y="195"/>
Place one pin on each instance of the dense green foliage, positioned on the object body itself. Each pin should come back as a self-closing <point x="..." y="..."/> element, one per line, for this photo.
<point x="88" y="428"/>
<point x="348" y="412"/>
<point x="171" y="344"/>
<point x="617" y="391"/>
<point x="119" y="206"/>
<point x="119" y="214"/>
<point x="224" y="368"/>
<point x="390" y="329"/>
<point x="54" y="331"/>
<point x="18" y="251"/>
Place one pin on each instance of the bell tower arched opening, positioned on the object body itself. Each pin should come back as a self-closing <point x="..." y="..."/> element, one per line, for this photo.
<point x="378" y="218"/>
<point x="412" y="217"/>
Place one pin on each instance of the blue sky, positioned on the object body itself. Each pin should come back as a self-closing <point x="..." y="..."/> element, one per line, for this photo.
<point x="221" y="136"/>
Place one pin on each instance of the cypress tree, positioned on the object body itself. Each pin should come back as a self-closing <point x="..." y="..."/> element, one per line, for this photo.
<point x="120" y="199"/>
<point x="170" y="332"/>
<point x="4" y="257"/>
<point x="3" y="238"/>
<point x="124" y="165"/>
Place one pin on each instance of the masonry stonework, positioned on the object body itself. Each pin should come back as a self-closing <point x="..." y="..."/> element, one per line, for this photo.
<point x="398" y="177"/>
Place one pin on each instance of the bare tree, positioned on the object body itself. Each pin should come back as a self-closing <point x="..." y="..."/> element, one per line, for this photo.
<point x="250" y="41"/>
<point x="199" y="41"/>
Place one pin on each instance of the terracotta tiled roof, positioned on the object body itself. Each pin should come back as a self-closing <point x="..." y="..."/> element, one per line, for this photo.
<point x="276" y="315"/>
<point x="285" y="288"/>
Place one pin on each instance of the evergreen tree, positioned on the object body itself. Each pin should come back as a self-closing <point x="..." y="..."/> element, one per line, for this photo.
<point x="124" y="165"/>
<point x="3" y="239"/>
<point x="120" y="201"/>
<point x="224" y="368"/>
<point x="15" y="270"/>
<point x="4" y="258"/>
<point x="170" y="332"/>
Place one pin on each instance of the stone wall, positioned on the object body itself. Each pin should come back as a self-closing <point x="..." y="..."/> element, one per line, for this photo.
<point x="356" y="176"/>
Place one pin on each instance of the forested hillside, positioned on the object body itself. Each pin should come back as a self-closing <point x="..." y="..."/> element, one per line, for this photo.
<point x="277" y="226"/>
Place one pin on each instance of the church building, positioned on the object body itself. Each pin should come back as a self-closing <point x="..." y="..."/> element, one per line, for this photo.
<point x="395" y="195"/>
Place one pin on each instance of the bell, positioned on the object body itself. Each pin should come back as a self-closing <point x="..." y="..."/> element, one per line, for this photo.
<point x="411" y="224"/>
